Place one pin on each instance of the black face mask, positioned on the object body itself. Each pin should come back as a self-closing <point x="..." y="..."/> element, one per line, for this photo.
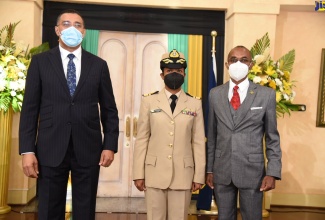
<point x="174" y="80"/>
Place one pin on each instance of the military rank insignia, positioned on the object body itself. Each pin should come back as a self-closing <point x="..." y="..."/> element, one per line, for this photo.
<point x="149" y="94"/>
<point x="193" y="96"/>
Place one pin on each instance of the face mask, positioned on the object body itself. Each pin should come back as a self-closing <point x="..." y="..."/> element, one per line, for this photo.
<point x="71" y="37"/>
<point x="238" y="71"/>
<point x="174" y="80"/>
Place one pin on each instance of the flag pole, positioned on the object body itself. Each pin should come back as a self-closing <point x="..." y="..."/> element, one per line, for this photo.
<point x="214" y="208"/>
<point x="214" y="35"/>
<point x="213" y="51"/>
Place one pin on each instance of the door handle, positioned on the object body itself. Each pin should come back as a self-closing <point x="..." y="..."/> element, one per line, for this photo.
<point x="135" y="127"/>
<point x="127" y="127"/>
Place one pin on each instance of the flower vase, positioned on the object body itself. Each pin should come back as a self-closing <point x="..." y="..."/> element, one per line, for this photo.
<point x="5" y="149"/>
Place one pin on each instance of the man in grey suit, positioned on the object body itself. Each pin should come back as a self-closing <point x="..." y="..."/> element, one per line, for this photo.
<point x="241" y="115"/>
<point x="68" y="97"/>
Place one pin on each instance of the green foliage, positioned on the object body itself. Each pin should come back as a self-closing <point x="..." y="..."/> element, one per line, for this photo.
<point x="14" y="62"/>
<point x="260" y="45"/>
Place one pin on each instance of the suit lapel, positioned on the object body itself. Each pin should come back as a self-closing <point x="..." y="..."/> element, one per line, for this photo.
<point x="163" y="104"/>
<point x="181" y="103"/>
<point x="225" y="104"/>
<point x="56" y="62"/>
<point x="246" y="105"/>
<point x="85" y="70"/>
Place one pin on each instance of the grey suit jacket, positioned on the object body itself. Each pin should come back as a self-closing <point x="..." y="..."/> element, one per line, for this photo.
<point x="235" y="144"/>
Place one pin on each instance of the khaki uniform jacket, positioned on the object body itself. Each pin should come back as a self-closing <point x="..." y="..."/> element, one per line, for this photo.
<point x="170" y="148"/>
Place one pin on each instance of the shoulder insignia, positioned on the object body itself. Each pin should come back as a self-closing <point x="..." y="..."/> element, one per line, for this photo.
<point x="193" y="96"/>
<point x="149" y="94"/>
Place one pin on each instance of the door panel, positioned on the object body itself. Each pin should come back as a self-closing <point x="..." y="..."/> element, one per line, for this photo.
<point x="133" y="60"/>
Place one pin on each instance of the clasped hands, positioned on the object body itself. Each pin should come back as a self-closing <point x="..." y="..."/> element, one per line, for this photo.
<point x="141" y="186"/>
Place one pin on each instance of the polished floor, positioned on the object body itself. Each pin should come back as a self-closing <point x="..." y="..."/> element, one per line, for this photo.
<point x="277" y="213"/>
<point x="133" y="209"/>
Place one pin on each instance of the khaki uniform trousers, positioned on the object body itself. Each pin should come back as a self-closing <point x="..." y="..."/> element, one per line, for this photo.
<point x="167" y="204"/>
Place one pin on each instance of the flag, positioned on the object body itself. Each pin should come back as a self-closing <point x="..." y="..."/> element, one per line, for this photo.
<point x="204" y="199"/>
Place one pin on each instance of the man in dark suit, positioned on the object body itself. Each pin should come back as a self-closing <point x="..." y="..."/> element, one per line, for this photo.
<point x="68" y="97"/>
<point x="241" y="114"/>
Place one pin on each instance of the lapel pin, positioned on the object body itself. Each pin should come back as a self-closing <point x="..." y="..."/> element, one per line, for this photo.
<point x="251" y="92"/>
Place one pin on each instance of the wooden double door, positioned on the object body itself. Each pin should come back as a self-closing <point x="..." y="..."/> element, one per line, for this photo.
<point x="133" y="60"/>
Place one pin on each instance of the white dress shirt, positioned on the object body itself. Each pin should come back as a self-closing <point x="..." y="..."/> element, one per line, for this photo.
<point x="77" y="61"/>
<point x="242" y="90"/>
<point x="168" y="94"/>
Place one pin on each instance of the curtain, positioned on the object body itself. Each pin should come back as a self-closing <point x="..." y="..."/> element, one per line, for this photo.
<point x="195" y="65"/>
<point x="90" y="41"/>
<point x="180" y="43"/>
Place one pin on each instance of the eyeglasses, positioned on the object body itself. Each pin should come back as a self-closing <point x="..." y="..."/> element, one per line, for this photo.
<point x="68" y="24"/>
<point x="242" y="60"/>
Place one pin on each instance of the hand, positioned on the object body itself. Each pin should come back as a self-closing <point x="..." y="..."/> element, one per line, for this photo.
<point x="209" y="180"/>
<point x="106" y="158"/>
<point x="268" y="183"/>
<point x="140" y="184"/>
<point x="196" y="186"/>
<point x="30" y="165"/>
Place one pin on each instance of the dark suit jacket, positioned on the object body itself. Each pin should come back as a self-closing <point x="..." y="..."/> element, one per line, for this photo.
<point x="235" y="145"/>
<point x="50" y="116"/>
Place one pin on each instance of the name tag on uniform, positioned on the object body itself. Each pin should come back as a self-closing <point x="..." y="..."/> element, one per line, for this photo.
<point x="254" y="108"/>
<point x="155" y="110"/>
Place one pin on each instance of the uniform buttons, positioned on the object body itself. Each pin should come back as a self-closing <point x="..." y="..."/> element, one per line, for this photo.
<point x="72" y="103"/>
<point x="69" y="123"/>
<point x="172" y="122"/>
<point x="170" y="145"/>
<point x="169" y="157"/>
<point x="171" y="133"/>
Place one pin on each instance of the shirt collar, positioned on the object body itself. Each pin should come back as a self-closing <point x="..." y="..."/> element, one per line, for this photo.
<point x="64" y="53"/>
<point x="242" y="86"/>
<point x="168" y="94"/>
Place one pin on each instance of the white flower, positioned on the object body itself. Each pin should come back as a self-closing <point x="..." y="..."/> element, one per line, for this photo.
<point x="13" y="85"/>
<point x="259" y="59"/>
<point x="21" y="84"/>
<point x="278" y="82"/>
<point x="1" y="69"/>
<point x="279" y="71"/>
<point x="21" y="65"/>
<point x="257" y="79"/>
<point x="2" y="85"/>
<point x="286" y="97"/>
<point x="21" y="75"/>
<point x="13" y="93"/>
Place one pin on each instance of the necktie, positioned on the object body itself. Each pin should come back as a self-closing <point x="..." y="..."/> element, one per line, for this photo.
<point x="71" y="74"/>
<point x="235" y="100"/>
<point x="173" y="104"/>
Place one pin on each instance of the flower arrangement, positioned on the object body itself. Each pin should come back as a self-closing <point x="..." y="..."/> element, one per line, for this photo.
<point x="14" y="62"/>
<point x="274" y="74"/>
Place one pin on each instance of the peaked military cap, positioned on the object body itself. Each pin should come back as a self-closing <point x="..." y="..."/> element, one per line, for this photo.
<point x="173" y="60"/>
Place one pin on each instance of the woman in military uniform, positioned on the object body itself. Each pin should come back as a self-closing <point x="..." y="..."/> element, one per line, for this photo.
<point x="169" y="153"/>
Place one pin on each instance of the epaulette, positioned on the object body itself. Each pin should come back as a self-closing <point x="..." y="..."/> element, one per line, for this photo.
<point x="199" y="98"/>
<point x="149" y="94"/>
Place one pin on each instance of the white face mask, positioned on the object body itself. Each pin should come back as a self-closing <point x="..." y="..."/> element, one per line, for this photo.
<point x="238" y="70"/>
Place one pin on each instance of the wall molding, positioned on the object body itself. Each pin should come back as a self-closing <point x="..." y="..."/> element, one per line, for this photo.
<point x="287" y="199"/>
